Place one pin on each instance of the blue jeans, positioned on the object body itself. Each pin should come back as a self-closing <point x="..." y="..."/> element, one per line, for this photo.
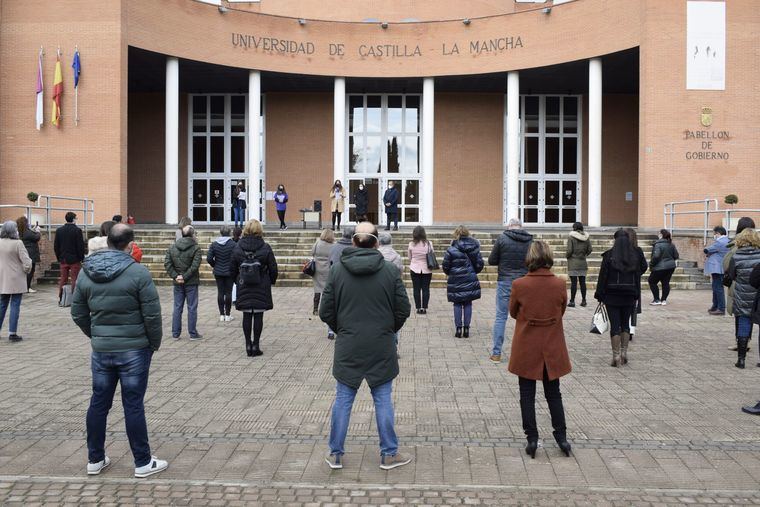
<point x="719" y="296"/>
<point x="181" y="293"/>
<point x="743" y="327"/>
<point x="464" y="310"/>
<point x="238" y="213"/>
<point x="341" y="414"/>
<point x="108" y="369"/>
<point x="503" y="291"/>
<point x="15" y="304"/>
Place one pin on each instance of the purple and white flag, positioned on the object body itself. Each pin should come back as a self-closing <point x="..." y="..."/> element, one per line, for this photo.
<point x="40" y="117"/>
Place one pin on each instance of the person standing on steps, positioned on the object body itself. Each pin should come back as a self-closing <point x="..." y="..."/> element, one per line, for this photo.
<point x="663" y="264"/>
<point x="183" y="222"/>
<point x="182" y="263"/>
<point x="255" y="269"/>
<point x="390" y="200"/>
<point x="421" y="274"/>
<point x="320" y="252"/>
<point x="743" y="224"/>
<point x="577" y="251"/>
<point x="740" y="267"/>
<point x="239" y="204"/>
<point x="366" y="303"/>
<point x="219" y="257"/>
<point x="643" y="266"/>
<point x="30" y="236"/>
<point x="69" y="251"/>
<point x="462" y="262"/>
<point x="714" y="255"/>
<point x="509" y="251"/>
<point x="281" y="205"/>
<point x="617" y="287"/>
<point x="337" y="202"/>
<point x="361" y="199"/>
<point x="14" y="266"/>
<point x="539" y="352"/>
<point x="116" y="305"/>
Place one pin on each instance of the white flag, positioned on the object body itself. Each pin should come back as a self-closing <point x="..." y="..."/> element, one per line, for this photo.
<point x="40" y="117"/>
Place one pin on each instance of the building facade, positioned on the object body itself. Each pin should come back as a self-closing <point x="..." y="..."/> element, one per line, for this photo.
<point x="598" y="111"/>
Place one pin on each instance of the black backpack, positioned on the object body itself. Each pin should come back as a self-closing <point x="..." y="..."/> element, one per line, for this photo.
<point x="250" y="271"/>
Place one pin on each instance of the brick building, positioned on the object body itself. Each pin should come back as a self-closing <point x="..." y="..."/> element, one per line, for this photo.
<point x="593" y="110"/>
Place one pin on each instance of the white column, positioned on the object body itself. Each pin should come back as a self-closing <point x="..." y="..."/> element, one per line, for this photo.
<point x="428" y="151"/>
<point x="171" y="192"/>
<point x="513" y="145"/>
<point x="339" y="132"/>
<point x="595" y="142"/>
<point x="254" y="143"/>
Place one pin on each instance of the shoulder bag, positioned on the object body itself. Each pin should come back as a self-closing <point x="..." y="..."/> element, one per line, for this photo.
<point x="600" y="322"/>
<point x="432" y="262"/>
<point x="309" y="268"/>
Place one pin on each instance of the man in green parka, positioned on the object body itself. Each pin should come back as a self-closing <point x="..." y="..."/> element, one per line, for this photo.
<point x="365" y="302"/>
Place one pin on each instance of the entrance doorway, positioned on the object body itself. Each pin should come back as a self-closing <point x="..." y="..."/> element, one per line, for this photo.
<point x="384" y="146"/>
<point x="550" y="159"/>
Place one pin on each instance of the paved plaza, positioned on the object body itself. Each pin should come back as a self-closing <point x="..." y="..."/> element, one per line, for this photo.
<point x="666" y="429"/>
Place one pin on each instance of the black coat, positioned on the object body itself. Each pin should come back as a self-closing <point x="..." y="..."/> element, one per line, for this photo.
<point x="391" y="199"/>
<point x="740" y="269"/>
<point x="617" y="287"/>
<point x="31" y="241"/>
<point x="69" y="244"/>
<point x="259" y="297"/>
<point x="462" y="262"/>
<point x="362" y="201"/>
<point x="754" y="281"/>
<point x="509" y="251"/>
<point x="219" y="257"/>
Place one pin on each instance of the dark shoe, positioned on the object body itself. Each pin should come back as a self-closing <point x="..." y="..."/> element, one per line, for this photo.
<point x="711" y="309"/>
<point x="583" y="303"/>
<point x="741" y="351"/>
<point x="387" y="228"/>
<point x="419" y="311"/>
<point x="466" y="332"/>
<point x="571" y="304"/>
<point x="716" y="312"/>
<point x="395" y="228"/>
<point x="249" y="350"/>
<point x="257" y="352"/>
<point x="15" y="338"/>
<point x="565" y="447"/>
<point x="196" y="337"/>
<point x="531" y="448"/>
<point x="752" y="410"/>
<point x="424" y="311"/>
<point x="330" y="336"/>
<point x="458" y="333"/>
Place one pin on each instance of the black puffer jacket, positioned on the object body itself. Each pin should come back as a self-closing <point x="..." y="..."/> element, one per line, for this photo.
<point x="754" y="281"/>
<point x="739" y="270"/>
<point x="259" y="297"/>
<point x="664" y="255"/>
<point x="219" y="255"/>
<point x="362" y="201"/>
<point x="509" y="253"/>
<point x="462" y="262"/>
<point x="31" y="241"/>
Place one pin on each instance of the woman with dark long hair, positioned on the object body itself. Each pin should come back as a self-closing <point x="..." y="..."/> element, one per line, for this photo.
<point x="418" y="268"/>
<point x="617" y="288"/>
<point x="30" y="237"/>
<point x="663" y="264"/>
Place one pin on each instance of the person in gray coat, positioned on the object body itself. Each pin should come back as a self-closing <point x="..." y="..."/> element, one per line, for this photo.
<point x="344" y="242"/>
<point x="389" y="254"/>
<point x="577" y="250"/>
<point x="662" y="265"/>
<point x="320" y="252"/>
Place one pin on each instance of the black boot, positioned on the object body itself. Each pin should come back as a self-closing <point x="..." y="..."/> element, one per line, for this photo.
<point x="531" y="448"/>
<point x="466" y="332"/>
<point x="248" y="347"/>
<point x="317" y="297"/>
<point x="571" y="304"/>
<point x="565" y="447"/>
<point x="742" y="351"/>
<point x="583" y="302"/>
<point x="458" y="333"/>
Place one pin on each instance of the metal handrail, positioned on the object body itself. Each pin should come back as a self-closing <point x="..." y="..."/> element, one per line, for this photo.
<point x="87" y="209"/>
<point x="670" y="212"/>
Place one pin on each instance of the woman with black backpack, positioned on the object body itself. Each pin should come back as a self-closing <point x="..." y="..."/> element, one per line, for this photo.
<point x="618" y="287"/>
<point x="255" y="269"/>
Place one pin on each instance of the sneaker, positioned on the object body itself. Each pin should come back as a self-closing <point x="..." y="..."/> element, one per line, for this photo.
<point x="156" y="465"/>
<point x="419" y="311"/>
<point x="176" y="337"/>
<point x="663" y="302"/>
<point x="495" y="358"/>
<point x="571" y="304"/>
<point x="424" y="311"/>
<point x="711" y="309"/>
<point x="655" y="303"/>
<point x="330" y="336"/>
<point x="716" y="312"/>
<point x="229" y="318"/>
<point x="285" y="228"/>
<point x="196" y="337"/>
<point x="391" y="462"/>
<point x="584" y="303"/>
<point x="32" y="291"/>
<point x="335" y="461"/>
<point x="96" y="468"/>
<point x="16" y="338"/>
<point x="222" y="318"/>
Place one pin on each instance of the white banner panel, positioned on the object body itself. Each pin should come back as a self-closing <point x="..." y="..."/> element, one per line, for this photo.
<point x="705" y="45"/>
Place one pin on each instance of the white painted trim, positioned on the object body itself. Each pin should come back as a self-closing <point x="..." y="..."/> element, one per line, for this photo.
<point x="595" y="142"/>
<point x="171" y="142"/>
<point x="513" y="144"/>
<point x="254" y="140"/>
<point x="339" y="131"/>
<point x="428" y="151"/>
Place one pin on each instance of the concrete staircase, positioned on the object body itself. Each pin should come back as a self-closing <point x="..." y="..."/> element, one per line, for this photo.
<point x="293" y="247"/>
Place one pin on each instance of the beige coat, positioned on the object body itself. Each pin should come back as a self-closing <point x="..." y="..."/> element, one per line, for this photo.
<point x="337" y="204"/>
<point x="15" y="263"/>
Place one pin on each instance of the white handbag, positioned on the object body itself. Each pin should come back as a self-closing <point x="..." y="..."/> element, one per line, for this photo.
<point x="600" y="322"/>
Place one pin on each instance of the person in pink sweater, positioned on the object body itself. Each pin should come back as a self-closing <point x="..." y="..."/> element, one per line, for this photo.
<point x="418" y="268"/>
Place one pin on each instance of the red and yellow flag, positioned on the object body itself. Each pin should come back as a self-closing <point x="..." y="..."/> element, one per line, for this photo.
<point x="57" y="94"/>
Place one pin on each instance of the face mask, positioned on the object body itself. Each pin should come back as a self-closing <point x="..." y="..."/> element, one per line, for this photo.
<point x="390" y="187"/>
<point x="280" y="189"/>
<point x="361" y="187"/>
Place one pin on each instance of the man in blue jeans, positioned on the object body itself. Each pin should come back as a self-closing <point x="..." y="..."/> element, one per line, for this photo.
<point x="365" y="302"/>
<point x="116" y="305"/>
<point x="183" y="263"/>
<point x="714" y="255"/>
<point x="509" y="251"/>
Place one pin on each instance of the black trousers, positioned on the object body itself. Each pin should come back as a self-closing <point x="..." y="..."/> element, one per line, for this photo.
<point x="253" y="322"/>
<point x="421" y="289"/>
<point x="30" y="276"/>
<point x="281" y="216"/>
<point x="392" y="217"/>
<point x="224" y="293"/>
<point x="660" y="277"/>
<point x="574" y="286"/>
<point x="553" y="399"/>
<point x="336" y="216"/>
<point x="620" y="317"/>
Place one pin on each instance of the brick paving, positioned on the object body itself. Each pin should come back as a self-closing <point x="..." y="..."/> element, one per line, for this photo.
<point x="666" y="429"/>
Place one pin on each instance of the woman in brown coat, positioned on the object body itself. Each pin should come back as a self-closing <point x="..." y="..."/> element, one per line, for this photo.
<point x="539" y="352"/>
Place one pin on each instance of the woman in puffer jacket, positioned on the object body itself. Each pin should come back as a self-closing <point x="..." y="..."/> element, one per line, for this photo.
<point x="744" y="260"/>
<point x="462" y="262"/>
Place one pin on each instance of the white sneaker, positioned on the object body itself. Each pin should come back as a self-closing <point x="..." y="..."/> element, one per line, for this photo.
<point x="156" y="465"/>
<point x="32" y="291"/>
<point x="663" y="302"/>
<point x="229" y="318"/>
<point x="96" y="468"/>
<point x="222" y="318"/>
<point x="655" y="303"/>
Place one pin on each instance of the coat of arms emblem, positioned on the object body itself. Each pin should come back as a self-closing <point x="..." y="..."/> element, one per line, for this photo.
<point x="706" y="118"/>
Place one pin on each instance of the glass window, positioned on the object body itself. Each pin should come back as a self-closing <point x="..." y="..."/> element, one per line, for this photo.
<point x="217" y="113"/>
<point x="237" y="113"/>
<point x="199" y="213"/>
<point x="199" y="154"/>
<point x="530" y="215"/>
<point x="374" y="113"/>
<point x="237" y="154"/>
<point x="372" y="153"/>
<point x="570" y="115"/>
<point x="530" y="115"/>
<point x="551" y="193"/>
<point x="355" y="149"/>
<point x="570" y="155"/>
<point x="199" y="114"/>
<point x="412" y="192"/>
<point x="552" y="115"/>
<point x="217" y="154"/>
<point x="411" y="155"/>
<point x="531" y="192"/>
<point x="355" y="113"/>
<point x="551" y="215"/>
<point x="216" y="195"/>
<point x="531" y="155"/>
<point x="395" y="115"/>
<point x="412" y="114"/>
<point x="568" y="215"/>
<point x="411" y="215"/>
<point x="394" y="159"/>
<point x="199" y="191"/>
<point x="568" y="193"/>
<point x="551" y="155"/>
